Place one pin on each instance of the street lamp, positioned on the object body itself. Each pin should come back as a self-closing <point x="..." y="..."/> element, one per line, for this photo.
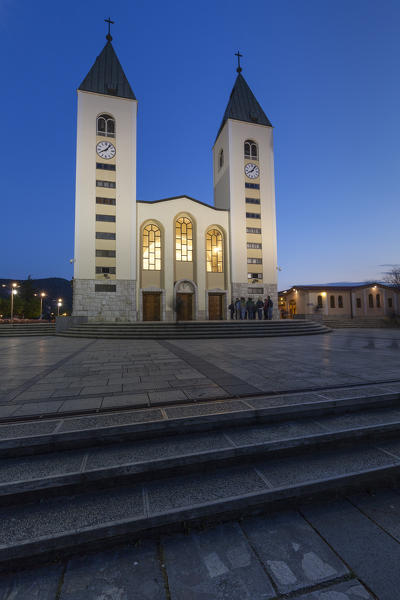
<point x="59" y="304"/>
<point x="13" y="292"/>
<point x="42" y="295"/>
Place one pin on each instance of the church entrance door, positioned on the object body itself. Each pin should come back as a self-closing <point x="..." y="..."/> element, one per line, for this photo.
<point x="214" y="307"/>
<point x="184" y="305"/>
<point x="151" y="306"/>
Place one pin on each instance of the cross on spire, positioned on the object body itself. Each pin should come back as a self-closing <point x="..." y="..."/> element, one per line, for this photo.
<point x="239" y="56"/>
<point x="109" y="36"/>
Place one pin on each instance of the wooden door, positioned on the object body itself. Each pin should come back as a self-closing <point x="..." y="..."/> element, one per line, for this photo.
<point x="151" y="306"/>
<point x="214" y="307"/>
<point x="184" y="306"/>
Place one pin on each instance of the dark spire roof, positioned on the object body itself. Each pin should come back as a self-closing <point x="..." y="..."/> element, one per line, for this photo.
<point x="243" y="106"/>
<point x="107" y="76"/>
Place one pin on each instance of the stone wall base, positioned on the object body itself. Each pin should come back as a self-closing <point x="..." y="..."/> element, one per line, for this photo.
<point x="104" y="306"/>
<point x="240" y="290"/>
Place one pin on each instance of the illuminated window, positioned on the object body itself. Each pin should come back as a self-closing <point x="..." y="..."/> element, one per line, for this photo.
<point x="151" y="248"/>
<point x="214" y="251"/>
<point x="184" y="239"/>
<point x="250" y="150"/>
<point x="105" y="125"/>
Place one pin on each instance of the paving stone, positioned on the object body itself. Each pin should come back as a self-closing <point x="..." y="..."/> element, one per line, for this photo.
<point x="349" y="590"/>
<point x="134" y="400"/>
<point x="325" y="464"/>
<point x="210" y="408"/>
<point x="24" y="429"/>
<point x="6" y="410"/>
<point x="160" y="448"/>
<point x="110" y="420"/>
<point x="293" y="554"/>
<point x="359" y="419"/>
<point x="166" y="396"/>
<point x="382" y="507"/>
<point x="217" y="564"/>
<point x="188" y="491"/>
<point x="361" y="392"/>
<point x="100" y="389"/>
<point x="33" y="584"/>
<point x="35" y="467"/>
<point x="37" y="408"/>
<point x="198" y="393"/>
<point x="277" y="431"/>
<point x="367" y="550"/>
<point x="273" y="401"/>
<point x="128" y="573"/>
<point x="80" y="404"/>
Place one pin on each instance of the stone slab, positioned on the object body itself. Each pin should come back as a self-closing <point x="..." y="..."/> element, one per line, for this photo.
<point x="56" y="516"/>
<point x="325" y="464"/>
<point x="293" y="554"/>
<point x="348" y="590"/>
<point x="128" y="573"/>
<point x="33" y="584"/>
<point x="80" y="404"/>
<point x="110" y="420"/>
<point x="191" y="490"/>
<point x="19" y="430"/>
<point x="367" y="550"/>
<point x="134" y="400"/>
<point x="37" y="408"/>
<point x="216" y="564"/>
<point x="40" y="466"/>
<point x="277" y="431"/>
<point x="210" y="408"/>
<point x="359" y="419"/>
<point x="161" y="448"/>
<point x="273" y="401"/>
<point x="166" y="396"/>
<point x="382" y="507"/>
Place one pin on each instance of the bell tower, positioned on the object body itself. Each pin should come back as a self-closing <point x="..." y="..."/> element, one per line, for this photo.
<point x="243" y="168"/>
<point x="105" y="202"/>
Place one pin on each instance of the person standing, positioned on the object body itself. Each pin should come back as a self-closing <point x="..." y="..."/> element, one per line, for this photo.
<point x="265" y="309"/>
<point x="232" y="310"/>
<point x="260" y="306"/>
<point x="237" y="309"/>
<point x="270" y="308"/>
<point x="242" y="308"/>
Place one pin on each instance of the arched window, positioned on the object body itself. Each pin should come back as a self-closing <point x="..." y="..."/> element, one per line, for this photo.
<point x="106" y="125"/>
<point x="151" y="248"/>
<point x="184" y="239"/>
<point x="221" y="159"/>
<point x="332" y="301"/>
<point x="320" y="303"/>
<point x="370" y="301"/>
<point x="214" y="251"/>
<point x="250" y="149"/>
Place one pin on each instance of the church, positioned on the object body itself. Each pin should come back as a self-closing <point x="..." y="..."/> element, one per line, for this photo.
<point x="140" y="260"/>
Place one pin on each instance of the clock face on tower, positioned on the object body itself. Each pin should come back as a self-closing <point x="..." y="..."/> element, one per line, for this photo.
<point x="252" y="171"/>
<point x="105" y="150"/>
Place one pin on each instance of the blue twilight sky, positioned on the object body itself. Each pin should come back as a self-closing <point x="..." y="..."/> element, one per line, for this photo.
<point x="326" y="73"/>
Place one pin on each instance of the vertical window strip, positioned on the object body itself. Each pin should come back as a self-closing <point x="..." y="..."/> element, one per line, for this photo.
<point x="151" y="251"/>
<point x="184" y="240"/>
<point x="214" y="251"/>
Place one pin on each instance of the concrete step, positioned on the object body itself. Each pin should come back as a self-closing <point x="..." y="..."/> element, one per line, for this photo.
<point x="17" y="329"/>
<point x="79" y="483"/>
<point x="193" y="330"/>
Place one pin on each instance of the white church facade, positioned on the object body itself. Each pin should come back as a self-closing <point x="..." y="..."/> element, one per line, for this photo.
<point x="137" y="260"/>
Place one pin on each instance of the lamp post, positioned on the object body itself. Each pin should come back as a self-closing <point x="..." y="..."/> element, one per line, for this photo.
<point x="42" y="295"/>
<point x="59" y="304"/>
<point x="13" y="292"/>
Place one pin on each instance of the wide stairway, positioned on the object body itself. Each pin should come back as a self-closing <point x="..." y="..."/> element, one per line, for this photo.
<point x="373" y="323"/>
<point x="27" y="329"/>
<point x="195" y="329"/>
<point x="76" y="483"/>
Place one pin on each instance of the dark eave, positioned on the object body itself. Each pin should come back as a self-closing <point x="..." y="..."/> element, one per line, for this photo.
<point x="179" y="198"/>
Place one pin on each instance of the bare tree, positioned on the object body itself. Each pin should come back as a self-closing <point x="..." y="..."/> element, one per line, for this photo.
<point x="393" y="277"/>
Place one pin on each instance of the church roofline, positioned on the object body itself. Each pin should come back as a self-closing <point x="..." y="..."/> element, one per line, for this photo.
<point x="179" y="198"/>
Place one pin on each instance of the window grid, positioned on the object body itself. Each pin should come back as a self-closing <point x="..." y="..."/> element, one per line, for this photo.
<point x="103" y="235"/>
<point x="105" y="125"/>
<point x="254" y="275"/>
<point x="151" y="248"/>
<point x="106" y="218"/>
<point x="253" y="230"/>
<point x="214" y="251"/>
<point x="100" y="200"/>
<point x="105" y="184"/>
<point x="250" y="215"/>
<point x="105" y="167"/>
<point x="184" y="239"/>
<point x="110" y="270"/>
<point x="253" y="201"/>
<point x="252" y="186"/>
<point x="254" y="261"/>
<point x="250" y="150"/>
<point x="254" y="245"/>
<point x="106" y="253"/>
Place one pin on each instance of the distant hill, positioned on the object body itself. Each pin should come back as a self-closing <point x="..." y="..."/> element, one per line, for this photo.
<point x="54" y="288"/>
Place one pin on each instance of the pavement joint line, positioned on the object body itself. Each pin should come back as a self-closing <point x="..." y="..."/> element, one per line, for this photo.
<point x="27" y="384"/>
<point x="241" y="398"/>
<point x="203" y="366"/>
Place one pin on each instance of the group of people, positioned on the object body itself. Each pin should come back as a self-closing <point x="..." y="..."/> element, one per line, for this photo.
<point x="240" y="309"/>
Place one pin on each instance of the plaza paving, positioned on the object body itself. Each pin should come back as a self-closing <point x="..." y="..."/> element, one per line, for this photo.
<point x="46" y="375"/>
